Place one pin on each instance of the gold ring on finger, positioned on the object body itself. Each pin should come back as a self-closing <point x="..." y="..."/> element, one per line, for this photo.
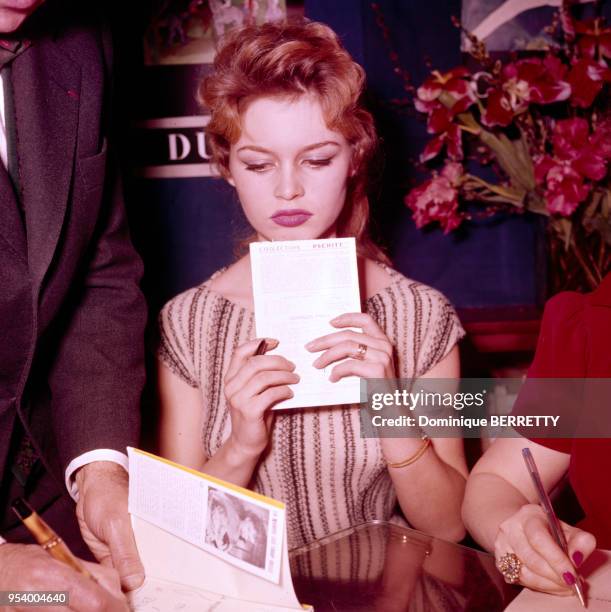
<point x="360" y="352"/>
<point x="510" y="565"/>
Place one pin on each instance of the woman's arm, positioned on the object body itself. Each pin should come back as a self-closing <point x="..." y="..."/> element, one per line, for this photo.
<point x="502" y="513"/>
<point x="181" y="408"/>
<point x="500" y="485"/>
<point x="180" y="413"/>
<point x="252" y="385"/>
<point x="430" y="490"/>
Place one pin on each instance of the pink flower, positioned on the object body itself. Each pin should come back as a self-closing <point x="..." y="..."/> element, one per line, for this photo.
<point x="454" y="87"/>
<point x="522" y="83"/>
<point x="437" y="199"/>
<point x="455" y="82"/>
<point x="566" y="190"/>
<point x="577" y="157"/>
<point x="587" y="79"/>
<point x="572" y="142"/>
<point x="451" y="137"/>
<point x="601" y="138"/>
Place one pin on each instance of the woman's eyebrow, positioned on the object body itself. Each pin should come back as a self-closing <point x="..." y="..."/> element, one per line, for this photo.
<point x="316" y="145"/>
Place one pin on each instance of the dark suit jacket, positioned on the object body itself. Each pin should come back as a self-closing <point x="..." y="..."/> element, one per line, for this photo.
<point x="71" y="312"/>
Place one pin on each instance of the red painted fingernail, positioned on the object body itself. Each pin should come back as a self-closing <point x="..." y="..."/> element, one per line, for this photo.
<point x="569" y="578"/>
<point x="578" y="558"/>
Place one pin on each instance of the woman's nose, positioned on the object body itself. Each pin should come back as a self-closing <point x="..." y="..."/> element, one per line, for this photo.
<point x="289" y="185"/>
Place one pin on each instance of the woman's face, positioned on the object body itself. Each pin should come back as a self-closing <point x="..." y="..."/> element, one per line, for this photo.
<point x="14" y="12"/>
<point x="289" y="169"/>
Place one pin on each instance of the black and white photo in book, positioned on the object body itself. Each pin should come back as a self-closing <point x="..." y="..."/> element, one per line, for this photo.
<point x="237" y="527"/>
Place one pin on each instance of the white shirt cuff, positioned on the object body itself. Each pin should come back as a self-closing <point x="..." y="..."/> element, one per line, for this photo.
<point x="2" y="540"/>
<point x="99" y="454"/>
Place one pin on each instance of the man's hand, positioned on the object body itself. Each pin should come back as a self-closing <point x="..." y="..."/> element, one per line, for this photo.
<point x="30" y="568"/>
<point x="104" y="520"/>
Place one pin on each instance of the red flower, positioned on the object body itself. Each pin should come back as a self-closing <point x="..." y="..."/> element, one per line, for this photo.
<point x="524" y="82"/>
<point x="572" y="142"/>
<point x="577" y="157"/>
<point x="601" y="138"/>
<point x="594" y="40"/>
<point x="455" y="90"/>
<point x="587" y="79"/>
<point x="566" y="190"/>
<point x="455" y="82"/>
<point x="437" y="199"/>
<point x="451" y="137"/>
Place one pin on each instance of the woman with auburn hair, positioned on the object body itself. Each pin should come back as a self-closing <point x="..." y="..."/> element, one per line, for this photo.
<point x="289" y="132"/>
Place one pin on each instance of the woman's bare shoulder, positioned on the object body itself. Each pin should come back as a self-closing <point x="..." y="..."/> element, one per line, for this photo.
<point x="375" y="277"/>
<point x="234" y="282"/>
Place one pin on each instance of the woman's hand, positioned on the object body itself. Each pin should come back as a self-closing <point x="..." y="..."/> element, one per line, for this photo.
<point x="253" y="384"/>
<point x="545" y="567"/>
<point x="375" y="360"/>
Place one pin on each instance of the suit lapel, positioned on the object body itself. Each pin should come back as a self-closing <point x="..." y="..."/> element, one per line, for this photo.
<point x="47" y="87"/>
<point x="11" y="223"/>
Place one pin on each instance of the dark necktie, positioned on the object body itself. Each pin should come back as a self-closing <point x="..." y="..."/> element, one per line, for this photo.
<point x="26" y="456"/>
<point x="10" y="49"/>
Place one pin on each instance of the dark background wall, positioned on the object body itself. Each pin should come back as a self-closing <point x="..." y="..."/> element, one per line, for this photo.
<point x="186" y="228"/>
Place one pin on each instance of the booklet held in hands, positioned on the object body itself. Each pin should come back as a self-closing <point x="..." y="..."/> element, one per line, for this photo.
<point x="299" y="286"/>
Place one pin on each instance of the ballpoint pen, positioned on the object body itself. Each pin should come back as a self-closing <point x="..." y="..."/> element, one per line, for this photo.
<point x="552" y="519"/>
<point x="261" y="347"/>
<point x="46" y="537"/>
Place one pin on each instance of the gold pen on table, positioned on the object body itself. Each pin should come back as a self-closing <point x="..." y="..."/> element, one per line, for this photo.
<point x="552" y="519"/>
<point x="46" y="537"/>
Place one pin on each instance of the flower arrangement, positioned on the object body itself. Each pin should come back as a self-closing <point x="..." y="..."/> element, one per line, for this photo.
<point x="543" y="124"/>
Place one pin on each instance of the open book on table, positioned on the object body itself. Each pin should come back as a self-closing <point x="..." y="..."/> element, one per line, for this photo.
<point x="206" y="544"/>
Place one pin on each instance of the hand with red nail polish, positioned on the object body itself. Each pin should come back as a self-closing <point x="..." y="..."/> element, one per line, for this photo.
<point x="577" y="558"/>
<point x="569" y="578"/>
<point x="545" y="567"/>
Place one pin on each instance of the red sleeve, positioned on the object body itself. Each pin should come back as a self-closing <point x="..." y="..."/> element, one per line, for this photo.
<point x="561" y="353"/>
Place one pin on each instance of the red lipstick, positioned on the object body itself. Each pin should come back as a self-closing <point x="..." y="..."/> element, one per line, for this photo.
<point x="291" y="217"/>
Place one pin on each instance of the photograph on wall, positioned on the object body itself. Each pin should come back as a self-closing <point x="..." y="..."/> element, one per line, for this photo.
<point x="510" y="25"/>
<point x="186" y="31"/>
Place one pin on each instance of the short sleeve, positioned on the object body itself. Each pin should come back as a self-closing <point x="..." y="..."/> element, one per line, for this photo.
<point x="176" y="342"/>
<point x="560" y="353"/>
<point x="440" y="329"/>
<point x="562" y="342"/>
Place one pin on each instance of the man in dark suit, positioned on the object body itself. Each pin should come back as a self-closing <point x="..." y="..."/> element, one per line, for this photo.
<point x="71" y="313"/>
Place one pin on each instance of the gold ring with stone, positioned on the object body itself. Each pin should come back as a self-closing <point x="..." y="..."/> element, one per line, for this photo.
<point x="510" y="565"/>
<point x="360" y="352"/>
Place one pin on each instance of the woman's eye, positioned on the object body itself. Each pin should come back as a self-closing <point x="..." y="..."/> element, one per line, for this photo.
<point x="318" y="163"/>
<point x="258" y="167"/>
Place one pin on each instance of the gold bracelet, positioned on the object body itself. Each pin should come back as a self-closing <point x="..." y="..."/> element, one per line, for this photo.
<point x="414" y="457"/>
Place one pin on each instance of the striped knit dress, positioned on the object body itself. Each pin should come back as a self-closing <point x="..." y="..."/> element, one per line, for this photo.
<point x="329" y="477"/>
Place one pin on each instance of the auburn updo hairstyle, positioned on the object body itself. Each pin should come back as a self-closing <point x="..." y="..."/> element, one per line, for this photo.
<point x="289" y="60"/>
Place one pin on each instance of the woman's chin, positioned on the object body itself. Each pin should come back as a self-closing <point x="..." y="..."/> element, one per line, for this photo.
<point x="302" y="232"/>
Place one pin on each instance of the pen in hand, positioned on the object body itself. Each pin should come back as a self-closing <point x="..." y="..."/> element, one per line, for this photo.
<point x="261" y="348"/>
<point x="46" y="537"/>
<point x="552" y="519"/>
